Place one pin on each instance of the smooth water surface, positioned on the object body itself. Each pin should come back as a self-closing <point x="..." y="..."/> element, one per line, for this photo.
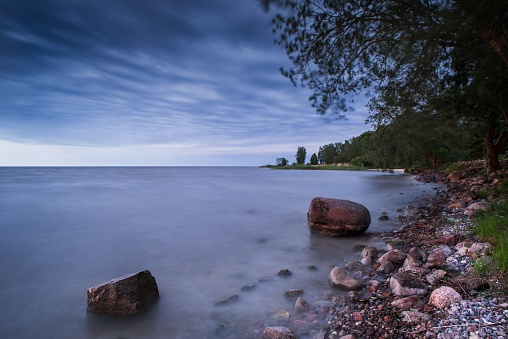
<point x="202" y="232"/>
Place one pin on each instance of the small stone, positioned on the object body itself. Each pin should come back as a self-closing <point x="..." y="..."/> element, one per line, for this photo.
<point x="396" y="257"/>
<point x="293" y="293"/>
<point x="408" y="303"/>
<point x="284" y="273"/>
<point x="282" y="314"/>
<point x="248" y="287"/>
<point x="354" y="266"/>
<point x="278" y="332"/>
<point x="339" y="278"/>
<point x="435" y="276"/>
<point x="443" y="297"/>
<point x="369" y="252"/>
<point x="415" y="317"/>
<point x="227" y="301"/>
<point x="406" y="284"/>
<point x="301" y="305"/>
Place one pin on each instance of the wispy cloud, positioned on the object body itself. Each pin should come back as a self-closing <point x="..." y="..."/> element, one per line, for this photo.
<point x="82" y="79"/>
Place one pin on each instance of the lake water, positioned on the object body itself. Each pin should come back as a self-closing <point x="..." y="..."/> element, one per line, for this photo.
<point x="202" y="232"/>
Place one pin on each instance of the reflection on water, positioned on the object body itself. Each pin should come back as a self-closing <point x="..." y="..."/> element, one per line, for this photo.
<point x="204" y="233"/>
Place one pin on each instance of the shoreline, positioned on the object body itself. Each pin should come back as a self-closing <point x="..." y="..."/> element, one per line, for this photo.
<point x="431" y="246"/>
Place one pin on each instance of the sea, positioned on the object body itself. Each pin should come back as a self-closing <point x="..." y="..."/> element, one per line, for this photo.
<point x="203" y="232"/>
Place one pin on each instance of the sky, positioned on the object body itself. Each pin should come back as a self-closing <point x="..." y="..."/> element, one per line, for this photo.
<point x="151" y="83"/>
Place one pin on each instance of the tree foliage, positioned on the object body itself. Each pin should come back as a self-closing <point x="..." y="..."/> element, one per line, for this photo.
<point x="437" y="60"/>
<point x="314" y="159"/>
<point x="301" y="153"/>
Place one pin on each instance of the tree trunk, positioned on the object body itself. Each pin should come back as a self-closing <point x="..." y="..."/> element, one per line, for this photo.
<point x="493" y="151"/>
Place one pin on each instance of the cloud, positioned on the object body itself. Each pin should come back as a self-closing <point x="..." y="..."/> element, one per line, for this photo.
<point x="130" y="75"/>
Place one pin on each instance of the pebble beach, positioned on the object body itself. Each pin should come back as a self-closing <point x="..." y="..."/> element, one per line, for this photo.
<point x="421" y="285"/>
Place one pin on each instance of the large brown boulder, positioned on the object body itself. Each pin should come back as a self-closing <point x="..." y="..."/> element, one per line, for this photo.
<point x="126" y="295"/>
<point x="337" y="217"/>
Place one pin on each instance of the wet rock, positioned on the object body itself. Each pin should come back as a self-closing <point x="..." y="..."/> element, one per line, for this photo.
<point x="455" y="176"/>
<point x="278" y="332"/>
<point x="406" y="284"/>
<point x="435" y="276"/>
<point x="293" y="293"/>
<point x="386" y="267"/>
<point x="396" y="257"/>
<point x="444" y="297"/>
<point x="354" y="266"/>
<point x="227" y="301"/>
<point x="417" y="253"/>
<point x="284" y="273"/>
<point x="301" y="305"/>
<point x="282" y="314"/>
<point x="408" y="303"/>
<point x="126" y="295"/>
<point x="337" y="217"/>
<point x="248" y="288"/>
<point x="339" y="278"/>
<point x="369" y="252"/>
<point x="415" y="317"/>
<point x="367" y="261"/>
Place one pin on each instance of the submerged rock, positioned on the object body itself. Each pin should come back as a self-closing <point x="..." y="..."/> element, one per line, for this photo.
<point x="278" y="332"/>
<point x="336" y="217"/>
<point x="126" y="295"/>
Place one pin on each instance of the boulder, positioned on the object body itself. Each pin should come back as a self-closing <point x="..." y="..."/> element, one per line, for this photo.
<point x="337" y="217"/>
<point x="455" y="176"/>
<point x="227" y="301"/>
<point x="339" y="278"/>
<point x="406" y="284"/>
<point x="278" y="332"/>
<point x="126" y="295"/>
<point x="444" y="297"/>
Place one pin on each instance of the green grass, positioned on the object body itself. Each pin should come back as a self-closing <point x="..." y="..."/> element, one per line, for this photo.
<point x="492" y="226"/>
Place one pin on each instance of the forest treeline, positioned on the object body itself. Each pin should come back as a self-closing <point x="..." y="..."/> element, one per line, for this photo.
<point x="436" y="72"/>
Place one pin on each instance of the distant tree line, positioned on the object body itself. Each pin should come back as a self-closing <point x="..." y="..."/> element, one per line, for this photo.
<point x="436" y="71"/>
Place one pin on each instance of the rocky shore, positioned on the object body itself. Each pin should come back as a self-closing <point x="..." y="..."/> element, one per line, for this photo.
<point x="422" y="285"/>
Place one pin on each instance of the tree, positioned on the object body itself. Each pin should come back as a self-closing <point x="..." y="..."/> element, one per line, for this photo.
<point x="301" y="153"/>
<point x="281" y="162"/>
<point x="408" y="54"/>
<point x="314" y="159"/>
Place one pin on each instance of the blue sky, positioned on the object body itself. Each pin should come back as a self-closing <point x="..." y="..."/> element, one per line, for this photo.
<point x="151" y="83"/>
